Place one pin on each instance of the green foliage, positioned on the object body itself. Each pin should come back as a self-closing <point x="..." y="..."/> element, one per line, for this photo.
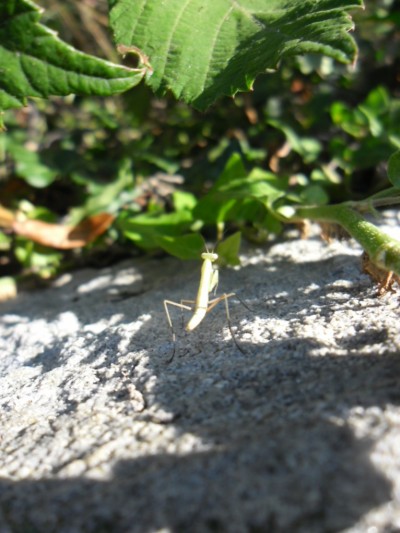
<point x="28" y="165"/>
<point x="37" y="63"/>
<point x="231" y="42"/>
<point x="394" y="169"/>
<point x="310" y="134"/>
<point x="373" y="126"/>
<point x="228" y="250"/>
<point x="37" y="259"/>
<point x="108" y="197"/>
<point x="183" y="246"/>
<point x="145" y="230"/>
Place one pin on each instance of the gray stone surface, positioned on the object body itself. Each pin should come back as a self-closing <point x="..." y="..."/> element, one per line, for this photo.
<point x="300" y="433"/>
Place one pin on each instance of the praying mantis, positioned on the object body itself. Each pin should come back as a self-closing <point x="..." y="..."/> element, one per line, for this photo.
<point x="202" y="305"/>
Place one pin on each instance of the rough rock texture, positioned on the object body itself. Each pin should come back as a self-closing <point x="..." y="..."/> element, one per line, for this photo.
<point x="301" y="433"/>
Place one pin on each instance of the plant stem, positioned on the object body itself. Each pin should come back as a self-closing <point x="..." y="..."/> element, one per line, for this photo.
<point x="382" y="249"/>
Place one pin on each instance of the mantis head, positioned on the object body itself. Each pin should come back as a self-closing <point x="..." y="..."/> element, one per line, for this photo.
<point x="210" y="256"/>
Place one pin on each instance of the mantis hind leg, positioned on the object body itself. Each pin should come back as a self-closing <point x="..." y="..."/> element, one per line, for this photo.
<point x="216" y="301"/>
<point x="171" y="327"/>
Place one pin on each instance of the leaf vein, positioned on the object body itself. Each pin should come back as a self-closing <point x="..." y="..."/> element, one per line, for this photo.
<point x="212" y="48"/>
<point x="172" y="32"/>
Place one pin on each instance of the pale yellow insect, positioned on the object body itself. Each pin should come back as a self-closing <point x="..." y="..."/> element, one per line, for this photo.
<point x="202" y="305"/>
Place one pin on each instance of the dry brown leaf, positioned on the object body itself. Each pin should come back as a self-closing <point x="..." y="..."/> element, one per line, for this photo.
<point x="383" y="278"/>
<point x="62" y="236"/>
<point x="331" y="231"/>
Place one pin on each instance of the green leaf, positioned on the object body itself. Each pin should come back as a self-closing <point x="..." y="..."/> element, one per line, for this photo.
<point x="394" y="169"/>
<point x="227" y="198"/>
<point x="259" y="184"/>
<point x="353" y="122"/>
<point x="234" y="170"/>
<point x="213" y="208"/>
<point x="272" y="224"/>
<point x="42" y="260"/>
<point x="5" y="242"/>
<point x="201" y="50"/>
<point x="146" y="230"/>
<point x="183" y="200"/>
<point x="108" y="197"/>
<point x="315" y="195"/>
<point x="228" y="250"/>
<point x="374" y="107"/>
<point x="307" y="147"/>
<point x="184" y="247"/>
<point x="29" y="167"/>
<point x="35" y="62"/>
